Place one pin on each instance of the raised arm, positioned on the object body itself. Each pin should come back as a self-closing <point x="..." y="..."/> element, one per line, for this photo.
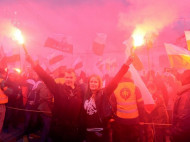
<point x="44" y="76"/>
<point x="113" y="84"/>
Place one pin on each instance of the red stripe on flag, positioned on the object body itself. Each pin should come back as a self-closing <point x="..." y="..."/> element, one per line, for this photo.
<point x="52" y="43"/>
<point x="56" y="59"/>
<point x="62" y="46"/>
<point x="78" y="65"/>
<point x="13" y="58"/>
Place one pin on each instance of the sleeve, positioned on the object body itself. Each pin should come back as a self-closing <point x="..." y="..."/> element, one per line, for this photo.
<point x="47" y="79"/>
<point x="113" y="84"/>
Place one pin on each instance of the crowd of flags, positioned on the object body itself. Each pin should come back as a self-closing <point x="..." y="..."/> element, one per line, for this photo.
<point x="178" y="57"/>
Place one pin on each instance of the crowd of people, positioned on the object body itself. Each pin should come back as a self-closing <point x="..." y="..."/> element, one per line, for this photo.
<point x="71" y="108"/>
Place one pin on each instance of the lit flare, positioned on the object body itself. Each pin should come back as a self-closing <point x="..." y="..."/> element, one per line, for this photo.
<point x="17" y="70"/>
<point x="17" y="35"/>
<point x="138" y="37"/>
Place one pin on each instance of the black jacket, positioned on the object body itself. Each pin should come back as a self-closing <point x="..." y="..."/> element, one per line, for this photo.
<point x="102" y="98"/>
<point x="67" y="101"/>
<point x="181" y="115"/>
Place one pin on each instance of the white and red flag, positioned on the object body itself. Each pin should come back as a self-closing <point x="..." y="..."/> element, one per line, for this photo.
<point x="179" y="57"/>
<point x="187" y="36"/>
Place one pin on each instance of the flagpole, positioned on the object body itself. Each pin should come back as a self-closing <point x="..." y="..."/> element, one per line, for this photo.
<point x="25" y="50"/>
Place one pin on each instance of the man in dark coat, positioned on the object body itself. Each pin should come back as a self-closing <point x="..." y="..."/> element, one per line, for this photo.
<point x="67" y="105"/>
<point x="180" y="131"/>
<point x="11" y="87"/>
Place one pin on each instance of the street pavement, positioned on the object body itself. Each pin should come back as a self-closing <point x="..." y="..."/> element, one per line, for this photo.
<point x="16" y="135"/>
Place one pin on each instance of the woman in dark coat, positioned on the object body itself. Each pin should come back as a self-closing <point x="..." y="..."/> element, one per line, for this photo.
<point x="96" y="109"/>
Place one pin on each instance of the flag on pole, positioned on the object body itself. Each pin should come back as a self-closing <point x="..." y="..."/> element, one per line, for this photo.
<point x="146" y="95"/>
<point x="55" y="67"/>
<point x="78" y="64"/>
<point x="13" y="58"/>
<point x="59" y="45"/>
<point x="56" y="59"/>
<point x="51" y="42"/>
<point x="178" y="57"/>
<point x="99" y="44"/>
<point x="187" y="36"/>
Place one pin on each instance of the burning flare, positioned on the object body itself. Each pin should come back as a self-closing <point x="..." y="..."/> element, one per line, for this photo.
<point x="17" y="35"/>
<point x="138" y="37"/>
<point x="17" y="70"/>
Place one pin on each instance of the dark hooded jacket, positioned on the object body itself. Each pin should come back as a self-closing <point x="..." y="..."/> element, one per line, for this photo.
<point x="180" y="130"/>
